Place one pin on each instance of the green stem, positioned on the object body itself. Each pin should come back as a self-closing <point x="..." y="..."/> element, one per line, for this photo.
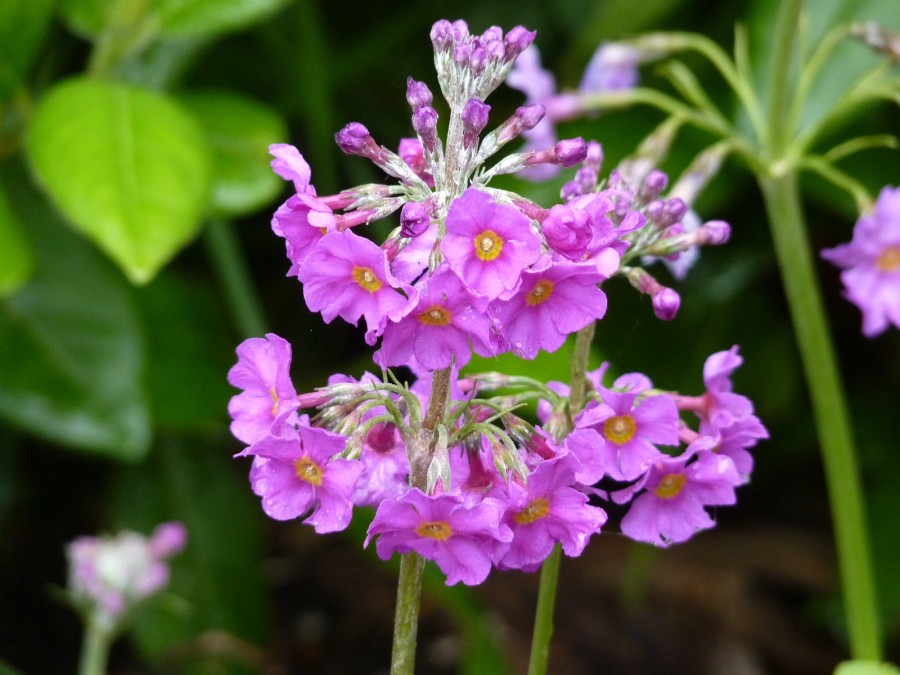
<point x="406" y="616"/>
<point x="782" y="200"/>
<point x="231" y="268"/>
<point x="95" y="649"/>
<point x="543" y="616"/>
<point x="409" y="584"/>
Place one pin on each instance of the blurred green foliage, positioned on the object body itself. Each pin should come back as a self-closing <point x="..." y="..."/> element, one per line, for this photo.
<point x="128" y="127"/>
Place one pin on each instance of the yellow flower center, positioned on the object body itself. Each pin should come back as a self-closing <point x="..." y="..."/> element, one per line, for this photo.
<point x="309" y="471"/>
<point x="619" y="429"/>
<point x="889" y="260"/>
<point x="488" y="245"/>
<point x="274" y="395"/>
<point x="437" y="529"/>
<point x="366" y="279"/>
<point x="536" y="510"/>
<point x="670" y="485"/>
<point x="541" y="291"/>
<point x="435" y="316"/>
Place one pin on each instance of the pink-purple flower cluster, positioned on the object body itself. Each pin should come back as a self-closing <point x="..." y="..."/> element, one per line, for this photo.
<point x="470" y="268"/>
<point x="507" y="492"/>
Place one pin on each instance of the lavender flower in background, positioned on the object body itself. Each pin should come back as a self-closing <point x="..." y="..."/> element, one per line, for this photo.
<point x="871" y="264"/>
<point x="109" y="575"/>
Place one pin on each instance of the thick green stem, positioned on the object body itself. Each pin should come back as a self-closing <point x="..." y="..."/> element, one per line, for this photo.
<point x="543" y="615"/>
<point x="406" y="616"/>
<point x="409" y="585"/>
<point x="782" y="199"/>
<point x="95" y="649"/>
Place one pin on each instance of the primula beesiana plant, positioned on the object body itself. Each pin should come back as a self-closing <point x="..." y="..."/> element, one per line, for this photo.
<point x="456" y="474"/>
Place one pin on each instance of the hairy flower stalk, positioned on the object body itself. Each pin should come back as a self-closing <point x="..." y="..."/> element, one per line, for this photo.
<point x="456" y="476"/>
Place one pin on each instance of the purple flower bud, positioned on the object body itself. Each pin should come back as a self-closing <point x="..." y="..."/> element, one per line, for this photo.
<point x="442" y="35"/>
<point x="517" y="41"/>
<point x="715" y="233"/>
<point x="654" y="184"/>
<point x="491" y="34"/>
<point x="417" y="93"/>
<point x="570" y="152"/>
<point x="414" y="219"/>
<point x="424" y="121"/>
<point x="567" y="231"/>
<point x="570" y="190"/>
<point x="460" y="30"/>
<point x="478" y="59"/>
<point x="674" y="210"/>
<point x="528" y="116"/>
<point x="666" y="303"/>
<point x="475" y="119"/>
<point x="654" y="210"/>
<point x="461" y="53"/>
<point x="353" y="139"/>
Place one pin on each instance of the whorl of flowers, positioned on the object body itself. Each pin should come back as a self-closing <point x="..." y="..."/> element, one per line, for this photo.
<point x="473" y="268"/>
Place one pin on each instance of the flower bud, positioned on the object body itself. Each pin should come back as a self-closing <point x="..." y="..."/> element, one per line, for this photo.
<point x="414" y="219"/>
<point x="714" y="233"/>
<point x="417" y="93"/>
<point x="353" y="139"/>
<point x="517" y="41"/>
<point x="666" y="303"/>
<point x="424" y="121"/>
<point x="475" y="119"/>
<point x="570" y="152"/>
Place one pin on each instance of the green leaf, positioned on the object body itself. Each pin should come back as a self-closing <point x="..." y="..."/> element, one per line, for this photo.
<point x="239" y="131"/>
<point x="70" y="348"/>
<point x="217" y="586"/>
<point x="23" y="24"/>
<point x="16" y="257"/>
<point x="866" y="668"/>
<point x="208" y="17"/>
<point x="128" y="167"/>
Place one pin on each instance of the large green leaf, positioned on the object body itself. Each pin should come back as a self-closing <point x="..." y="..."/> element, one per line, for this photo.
<point x="128" y="167"/>
<point x="239" y="131"/>
<point x="217" y="588"/>
<point x="16" y="258"/>
<point x="70" y="348"/>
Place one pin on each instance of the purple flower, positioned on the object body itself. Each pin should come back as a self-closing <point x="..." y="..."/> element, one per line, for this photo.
<point x="871" y="264"/>
<point x="456" y="536"/>
<point x="488" y="244"/>
<point x="547" y="511"/>
<point x="550" y="304"/>
<point x="290" y="165"/>
<point x="263" y="372"/>
<point x="108" y="575"/>
<point x="671" y="508"/>
<point x="294" y="473"/>
<point x="613" y="67"/>
<point x="347" y="275"/>
<point x="629" y="431"/>
<point x="444" y="327"/>
<point x="302" y="221"/>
